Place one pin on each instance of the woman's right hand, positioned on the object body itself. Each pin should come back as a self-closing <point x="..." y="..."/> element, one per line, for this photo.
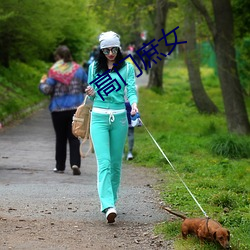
<point x="134" y="109"/>
<point x="90" y="91"/>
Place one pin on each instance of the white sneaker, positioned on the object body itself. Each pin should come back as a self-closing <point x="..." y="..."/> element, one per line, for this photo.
<point x="130" y="156"/>
<point x="111" y="214"/>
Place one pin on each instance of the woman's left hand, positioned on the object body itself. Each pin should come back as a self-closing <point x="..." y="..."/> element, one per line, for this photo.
<point x="90" y="91"/>
<point x="134" y="109"/>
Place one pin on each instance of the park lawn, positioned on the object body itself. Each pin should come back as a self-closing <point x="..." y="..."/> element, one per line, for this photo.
<point x="220" y="183"/>
<point x="189" y="140"/>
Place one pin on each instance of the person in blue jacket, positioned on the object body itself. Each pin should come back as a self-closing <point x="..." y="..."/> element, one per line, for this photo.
<point x="109" y="124"/>
<point x="65" y="83"/>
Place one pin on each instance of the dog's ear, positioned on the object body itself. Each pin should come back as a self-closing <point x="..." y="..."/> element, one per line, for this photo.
<point x="214" y="235"/>
<point x="228" y="237"/>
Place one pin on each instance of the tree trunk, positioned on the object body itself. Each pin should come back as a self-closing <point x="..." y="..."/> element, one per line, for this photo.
<point x="201" y="99"/>
<point x="233" y="97"/>
<point x="156" y="72"/>
<point x="223" y="37"/>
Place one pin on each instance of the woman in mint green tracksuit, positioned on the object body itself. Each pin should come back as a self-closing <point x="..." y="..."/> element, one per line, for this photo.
<point x="109" y="123"/>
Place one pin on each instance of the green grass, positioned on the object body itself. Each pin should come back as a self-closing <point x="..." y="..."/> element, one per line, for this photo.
<point x="19" y="88"/>
<point x="214" y="164"/>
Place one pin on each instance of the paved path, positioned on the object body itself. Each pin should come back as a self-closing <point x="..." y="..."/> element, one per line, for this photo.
<point x="142" y="80"/>
<point x="30" y="190"/>
<point x="26" y="163"/>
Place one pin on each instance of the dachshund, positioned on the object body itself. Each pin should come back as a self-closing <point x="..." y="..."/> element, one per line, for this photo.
<point x="204" y="229"/>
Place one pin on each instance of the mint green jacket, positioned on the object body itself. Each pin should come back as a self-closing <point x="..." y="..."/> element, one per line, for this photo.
<point x="115" y="99"/>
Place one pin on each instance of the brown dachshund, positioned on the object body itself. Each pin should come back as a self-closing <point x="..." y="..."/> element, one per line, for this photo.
<point x="204" y="229"/>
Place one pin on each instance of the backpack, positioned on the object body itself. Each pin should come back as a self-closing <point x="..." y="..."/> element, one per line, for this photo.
<point x="81" y="126"/>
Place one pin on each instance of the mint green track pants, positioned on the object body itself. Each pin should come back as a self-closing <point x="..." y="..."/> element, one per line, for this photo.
<point x="108" y="136"/>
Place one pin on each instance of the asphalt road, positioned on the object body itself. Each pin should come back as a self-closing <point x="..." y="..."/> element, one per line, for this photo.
<point x="26" y="164"/>
<point x="31" y="190"/>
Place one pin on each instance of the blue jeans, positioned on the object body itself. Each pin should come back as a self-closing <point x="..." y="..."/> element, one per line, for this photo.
<point x="108" y="139"/>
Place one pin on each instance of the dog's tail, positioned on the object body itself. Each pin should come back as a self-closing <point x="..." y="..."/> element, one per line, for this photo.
<point x="175" y="213"/>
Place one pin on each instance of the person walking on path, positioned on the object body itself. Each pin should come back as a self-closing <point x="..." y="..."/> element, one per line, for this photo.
<point x="65" y="84"/>
<point x="131" y="129"/>
<point x="130" y="133"/>
<point x="109" y="125"/>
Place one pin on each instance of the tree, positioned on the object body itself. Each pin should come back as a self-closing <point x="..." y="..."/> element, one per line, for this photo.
<point x="28" y="33"/>
<point x="23" y="33"/>
<point x="223" y="37"/>
<point x="156" y="72"/>
<point x="201" y="99"/>
<point x="133" y="17"/>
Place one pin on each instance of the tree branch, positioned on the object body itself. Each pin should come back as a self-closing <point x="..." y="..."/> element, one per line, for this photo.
<point x="202" y="9"/>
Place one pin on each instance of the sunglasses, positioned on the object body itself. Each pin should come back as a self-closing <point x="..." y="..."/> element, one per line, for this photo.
<point x="106" y="51"/>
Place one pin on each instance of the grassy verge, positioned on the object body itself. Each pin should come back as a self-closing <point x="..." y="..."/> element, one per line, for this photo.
<point x="19" y="89"/>
<point x="214" y="164"/>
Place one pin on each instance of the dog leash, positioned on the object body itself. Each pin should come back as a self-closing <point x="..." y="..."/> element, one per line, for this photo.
<point x="174" y="170"/>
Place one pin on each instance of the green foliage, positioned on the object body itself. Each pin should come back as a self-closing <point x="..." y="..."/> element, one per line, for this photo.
<point x="29" y="33"/>
<point x="176" y="17"/>
<point x="224" y="200"/>
<point x="241" y="17"/>
<point x="242" y="38"/>
<point x="135" y="17"/>
<point x="231" y="146"/>
<point x="243" y="61"/>
<point x="219" y="183"/>
<point x="19" y="87"/>
<point x="170" y="230"/>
